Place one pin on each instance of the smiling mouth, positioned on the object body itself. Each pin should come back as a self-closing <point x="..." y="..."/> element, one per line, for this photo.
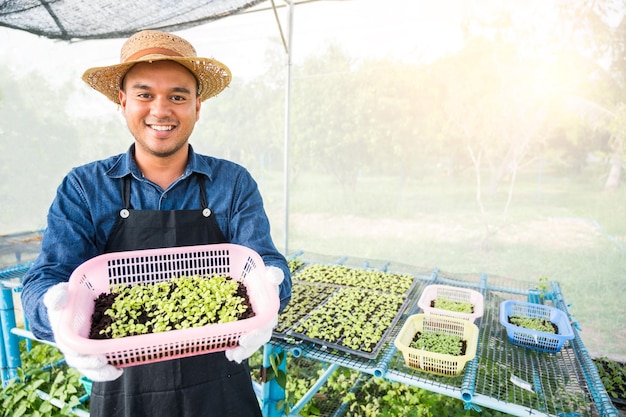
<point x="162" y="128"/>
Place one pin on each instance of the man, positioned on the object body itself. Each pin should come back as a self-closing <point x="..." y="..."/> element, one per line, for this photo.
<point x="158" y="194"/>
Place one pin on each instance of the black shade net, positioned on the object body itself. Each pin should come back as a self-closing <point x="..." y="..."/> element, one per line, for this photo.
<point x="78" y="19"/>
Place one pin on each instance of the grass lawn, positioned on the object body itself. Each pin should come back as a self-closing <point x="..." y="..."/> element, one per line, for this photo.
<point x="566" y="229"/>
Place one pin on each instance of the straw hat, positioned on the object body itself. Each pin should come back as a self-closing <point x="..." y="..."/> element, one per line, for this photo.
<point x="150" y="46"/>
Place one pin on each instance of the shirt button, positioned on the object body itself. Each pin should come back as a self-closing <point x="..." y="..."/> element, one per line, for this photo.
<point x="165" y="195"/>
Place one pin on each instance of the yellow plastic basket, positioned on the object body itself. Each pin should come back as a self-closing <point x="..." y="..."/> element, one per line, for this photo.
<point x="437" y="363"/>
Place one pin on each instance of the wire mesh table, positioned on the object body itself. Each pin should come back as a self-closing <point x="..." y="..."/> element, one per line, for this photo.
<point x="504" y="377"/>
<point x="515" y="380"/>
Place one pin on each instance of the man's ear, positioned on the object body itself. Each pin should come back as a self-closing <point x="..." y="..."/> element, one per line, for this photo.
<point x="122" y="97"/>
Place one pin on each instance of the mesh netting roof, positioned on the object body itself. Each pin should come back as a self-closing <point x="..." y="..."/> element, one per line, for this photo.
<point x="100" y="19"/>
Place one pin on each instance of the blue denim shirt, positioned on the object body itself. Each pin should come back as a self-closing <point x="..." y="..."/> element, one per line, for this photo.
<point x="89" y="199"/>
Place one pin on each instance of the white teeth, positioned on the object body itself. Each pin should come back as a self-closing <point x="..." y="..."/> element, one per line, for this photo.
<point x="162" y="128"/>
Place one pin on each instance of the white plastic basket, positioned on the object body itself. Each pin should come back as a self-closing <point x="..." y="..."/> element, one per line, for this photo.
<point x="458" y="294"/>
<point x="98" y="275"/>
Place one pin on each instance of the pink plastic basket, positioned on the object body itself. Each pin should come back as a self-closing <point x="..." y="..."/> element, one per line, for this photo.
<point x="99" y="274"/>
<point x="434" y="291"/>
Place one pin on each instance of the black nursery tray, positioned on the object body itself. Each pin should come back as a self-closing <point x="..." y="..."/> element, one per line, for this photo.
<point x="336" y="306"/>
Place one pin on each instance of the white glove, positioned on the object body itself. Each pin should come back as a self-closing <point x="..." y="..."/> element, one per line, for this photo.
<point x="252" y="341"/>
<point x="94" y="367"/>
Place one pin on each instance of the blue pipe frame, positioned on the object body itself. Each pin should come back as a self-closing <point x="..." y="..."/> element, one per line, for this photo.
<point x="273" y="401"/>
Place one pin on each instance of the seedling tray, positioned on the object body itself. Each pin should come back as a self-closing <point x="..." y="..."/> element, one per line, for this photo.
<point x="437" y="363"/>
<point x="533" y="339"/>
<point x="100" y="274"/>
<point x="333" y="301"/>
<point x="451" y="293"/>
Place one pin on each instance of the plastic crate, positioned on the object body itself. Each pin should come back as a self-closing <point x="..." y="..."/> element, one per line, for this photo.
<point x="434" y="291"/>
<point x="437" y="363"/>
<point x="98" y="275"/>
<point x="541" y="341"/>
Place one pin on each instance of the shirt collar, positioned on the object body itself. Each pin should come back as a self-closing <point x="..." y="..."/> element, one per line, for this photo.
<point x="125" y="164"/>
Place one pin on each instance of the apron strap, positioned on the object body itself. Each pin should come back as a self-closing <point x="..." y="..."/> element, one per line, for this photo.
<point x="126" y="191"/>
<point x="203" y="200"/>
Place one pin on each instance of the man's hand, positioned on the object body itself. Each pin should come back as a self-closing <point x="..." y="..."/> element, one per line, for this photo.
<point x="94" y="367"/>
<point x="252" y="341"/>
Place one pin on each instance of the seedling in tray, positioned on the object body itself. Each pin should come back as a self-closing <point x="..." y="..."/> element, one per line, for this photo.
<point x="537" y="324"/>
<point x="436" y="342"/>
<point x="452" y="301"/>
<point x="450" y="305"/>
<point x="181" y="303"/>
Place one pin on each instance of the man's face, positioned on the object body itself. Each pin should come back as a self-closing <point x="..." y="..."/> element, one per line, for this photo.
<point x="161" y="107"/>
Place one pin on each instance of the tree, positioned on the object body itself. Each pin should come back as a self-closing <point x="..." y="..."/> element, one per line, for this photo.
<point x="593" y="33"/>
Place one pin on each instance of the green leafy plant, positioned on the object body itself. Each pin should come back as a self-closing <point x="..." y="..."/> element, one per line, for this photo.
<point x="42" y="372"/>
<point x="450" y="305"/>
<point x="436" y="342"/>
<point x="303" y="297"/>
<point x="533" y="323"/>
<point x="294" y="264"/>
<point x="613" y="376"/>
<point x="544" y="284"/>
<point x="349" y="308"/>
<point x="180" y="303"/>
<point x="362" y="395"/>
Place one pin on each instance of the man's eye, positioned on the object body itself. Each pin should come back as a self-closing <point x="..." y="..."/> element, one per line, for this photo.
<point x="144" y="95"/>
<point x="178" y="98"/>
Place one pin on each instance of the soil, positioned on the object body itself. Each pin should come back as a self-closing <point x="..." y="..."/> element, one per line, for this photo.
<point x="101" y="321"/>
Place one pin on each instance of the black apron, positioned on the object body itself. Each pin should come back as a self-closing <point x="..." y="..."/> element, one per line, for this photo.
<point x="199" y="386"/>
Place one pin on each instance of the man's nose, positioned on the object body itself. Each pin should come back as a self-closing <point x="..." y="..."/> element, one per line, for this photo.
<point x="161" y="106"/>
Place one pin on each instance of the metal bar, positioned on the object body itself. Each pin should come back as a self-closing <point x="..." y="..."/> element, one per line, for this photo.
<point x="60" y="404"/>
<point x="12" y="271"/>
<point x="509" y="408"/>
<point x="273" y="393"/>
<point x="468" y="386"/>
<point x="288" y="124"/>
<point x="3" y="360"/>
<point x="17" y="288"/>
<point x="590" y="371"/>
<point x="383" y="364"/>
<point x="29" y="341"/>
<point x="11" y="351"/>
<point x="341" y="410"/>
<point x="26" y="334"/>
<point x="313" y="390"/>
<point x="56" y="19"/>
<point x="43" y="395"/>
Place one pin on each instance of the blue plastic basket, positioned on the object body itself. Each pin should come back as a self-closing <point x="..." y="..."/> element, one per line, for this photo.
<point x="541" y="341"/>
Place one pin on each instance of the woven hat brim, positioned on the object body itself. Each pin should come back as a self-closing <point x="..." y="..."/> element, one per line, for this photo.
<point x="212" y="76"/>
